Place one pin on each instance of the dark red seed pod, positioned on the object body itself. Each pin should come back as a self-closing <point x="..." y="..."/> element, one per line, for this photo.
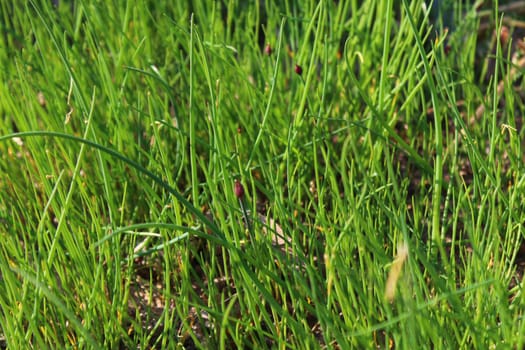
<point x="238" y="189"/>
<point x="268" y="49"/>
<point x="298" y="69"/>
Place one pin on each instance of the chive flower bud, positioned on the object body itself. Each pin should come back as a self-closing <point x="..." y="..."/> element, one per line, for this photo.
<point x="238" y="189"/>
<point x="268" y="49"/>
<point x="298" y="69"/>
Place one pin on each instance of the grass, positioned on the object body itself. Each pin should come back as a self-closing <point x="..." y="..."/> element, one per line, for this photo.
<point x="383" y="187"/>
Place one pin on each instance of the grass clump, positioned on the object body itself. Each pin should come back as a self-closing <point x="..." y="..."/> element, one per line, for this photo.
<point x="300" y="175"/>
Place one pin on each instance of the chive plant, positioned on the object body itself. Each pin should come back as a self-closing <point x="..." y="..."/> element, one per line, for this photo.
<point x="381" y="154"/>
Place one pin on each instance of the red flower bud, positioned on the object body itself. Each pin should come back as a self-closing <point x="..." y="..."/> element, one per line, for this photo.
<point x="298" y="69"/>
<point x="268" y="49"/>
<point x="238" y="189"/>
